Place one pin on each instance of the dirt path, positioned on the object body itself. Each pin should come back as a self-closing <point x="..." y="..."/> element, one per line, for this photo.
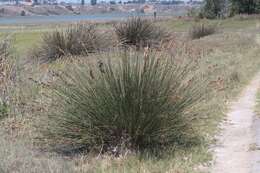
<point x="237" y="150"/>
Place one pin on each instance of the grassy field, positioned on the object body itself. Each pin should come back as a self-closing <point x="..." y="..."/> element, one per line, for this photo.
<point x="32" y="34"/>
<point x="228" y="59"/>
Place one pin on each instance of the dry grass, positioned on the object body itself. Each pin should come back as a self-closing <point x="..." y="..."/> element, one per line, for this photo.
<point x="16" y="156"/>
<point x="201" y="30"/>
<point x="7" y="76"/>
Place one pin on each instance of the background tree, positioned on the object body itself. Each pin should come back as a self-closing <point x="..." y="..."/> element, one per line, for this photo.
<point x="93" y="2"/>
<point x="213" y="8"/>
<point x="245" y="6"/>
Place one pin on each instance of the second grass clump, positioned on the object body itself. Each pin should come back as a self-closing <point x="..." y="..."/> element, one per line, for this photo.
<point x="77" y="39"/>
<point x="139" y="32"/>
<point x="131" y="101"/>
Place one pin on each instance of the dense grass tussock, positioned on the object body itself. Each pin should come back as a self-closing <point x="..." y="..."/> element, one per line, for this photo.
<point x="131" y="102"/>
<point x="7" y="75"/>
<point x="78" y="39"/>
<point x="139" y="32"/>
<point x="202" y="30"/>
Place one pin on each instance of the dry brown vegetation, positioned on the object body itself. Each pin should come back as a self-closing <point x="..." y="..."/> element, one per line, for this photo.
<point x="201" y="30"/>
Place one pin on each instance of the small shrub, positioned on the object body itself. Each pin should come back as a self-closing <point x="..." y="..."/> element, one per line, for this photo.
<point x="130" y="102"/>
<point x="4" y="48"/>
<point x="3" y="110"/>
<point x="139" y="32"/>
<point x="23" y="13"/>
<point x="79" y="39"/>
<point x="234" y="77"/>
<point x="202" y="30"/>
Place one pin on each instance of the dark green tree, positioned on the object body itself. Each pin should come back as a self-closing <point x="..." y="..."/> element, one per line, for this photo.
<point x="93" y="2"/>
<point x="213" y="8"/>
<point x="245" y="6"/>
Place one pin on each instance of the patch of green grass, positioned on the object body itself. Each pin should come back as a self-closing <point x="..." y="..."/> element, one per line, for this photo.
<point x="176" y="25"/>
<point x="24" y="41"/>
<point x="230" y="24"/>
<point x="236" y="24"/>
<point x="3" y="110"/>
<point x="257" y="107"/>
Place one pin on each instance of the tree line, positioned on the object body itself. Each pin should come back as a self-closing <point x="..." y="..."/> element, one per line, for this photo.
<point x="219" y="8"/>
